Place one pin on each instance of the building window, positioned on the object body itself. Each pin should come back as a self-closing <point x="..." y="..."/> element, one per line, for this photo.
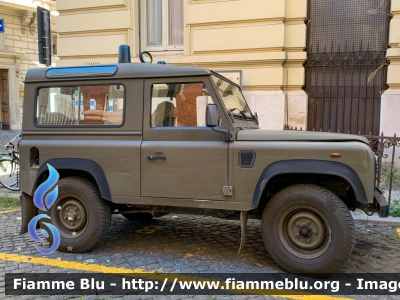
<point x="162" y="23"/>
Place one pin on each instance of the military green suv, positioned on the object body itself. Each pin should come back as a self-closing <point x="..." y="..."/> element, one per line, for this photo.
<point x="143" y="140"/>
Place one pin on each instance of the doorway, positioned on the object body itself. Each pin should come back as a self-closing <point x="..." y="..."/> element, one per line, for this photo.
<point x="4" y="98"/>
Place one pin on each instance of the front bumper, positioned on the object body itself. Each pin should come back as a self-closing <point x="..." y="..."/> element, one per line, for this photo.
<point x="381" y="204"/>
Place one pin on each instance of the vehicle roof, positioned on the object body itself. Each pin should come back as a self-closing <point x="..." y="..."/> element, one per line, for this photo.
<point x="124" y="70"/>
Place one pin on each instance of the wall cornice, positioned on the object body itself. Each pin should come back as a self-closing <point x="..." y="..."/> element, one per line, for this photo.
<point x="15" y="6"/>
<point x="238" y="51"/>
<point x="91" y="32"/>
<point x="73" y="6"/>
<point x="11" y="54"/>
<point x="286" y="21"/>
<point x="10" y="12"/>
<point x="294" y="21"/>
<point x="238" y="22"/>
<point x="90" y="10"/>
<point x="262" y="87"/>
<point x="232" y="64"/>
<point x="394" y="86"/>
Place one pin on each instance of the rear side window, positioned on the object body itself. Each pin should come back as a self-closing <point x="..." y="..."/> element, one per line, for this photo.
<point x="80" y="105"/>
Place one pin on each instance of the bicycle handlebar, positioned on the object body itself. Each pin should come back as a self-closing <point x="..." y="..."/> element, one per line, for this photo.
<point x="10" y="146"/>
<point x="17" y="136"/>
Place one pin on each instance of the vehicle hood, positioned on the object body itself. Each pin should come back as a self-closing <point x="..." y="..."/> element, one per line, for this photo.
<point x="292" y="135"/>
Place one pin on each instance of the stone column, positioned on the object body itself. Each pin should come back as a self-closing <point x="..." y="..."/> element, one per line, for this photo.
<point x="390" y="106"/>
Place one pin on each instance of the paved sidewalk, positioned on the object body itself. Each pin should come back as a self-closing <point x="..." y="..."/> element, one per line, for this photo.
<point x="375" y="219"/>
<point x="184" y="243"/>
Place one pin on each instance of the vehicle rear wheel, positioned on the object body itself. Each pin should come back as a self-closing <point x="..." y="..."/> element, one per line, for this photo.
<point x="138" y="216"/>
<point x="80" y="215"/>
<point x="308" y="229"/>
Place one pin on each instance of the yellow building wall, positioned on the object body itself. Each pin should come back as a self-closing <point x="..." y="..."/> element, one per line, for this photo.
<point x="390" y="106"/>
<point x="245" y="28"/>
<point x="265" y="39"/>
<point x="19" y="51"/>
<point x="90" y="31"/>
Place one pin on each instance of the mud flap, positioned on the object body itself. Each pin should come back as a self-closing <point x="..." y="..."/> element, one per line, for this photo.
<point x="381" y="204"/>
<point x="243" y="226"/>
<point x="28" y="211"/>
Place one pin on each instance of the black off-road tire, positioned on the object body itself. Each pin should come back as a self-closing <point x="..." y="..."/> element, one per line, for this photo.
<point x="139" y="216"/>
<point x="291" y="230"/>
<point x="80" y="193"/>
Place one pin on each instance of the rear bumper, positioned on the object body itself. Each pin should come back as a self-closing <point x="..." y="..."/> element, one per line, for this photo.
<point x="381" y="204"/>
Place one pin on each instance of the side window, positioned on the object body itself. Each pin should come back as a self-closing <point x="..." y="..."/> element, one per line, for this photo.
<point x="80" y="105"/>
<point x="179" y="104"/>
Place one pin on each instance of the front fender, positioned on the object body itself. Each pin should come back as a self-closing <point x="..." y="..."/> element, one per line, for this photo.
<point x="311" y="167"/>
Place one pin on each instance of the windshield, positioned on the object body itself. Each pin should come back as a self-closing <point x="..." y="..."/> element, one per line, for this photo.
<point x="233" y="98"/>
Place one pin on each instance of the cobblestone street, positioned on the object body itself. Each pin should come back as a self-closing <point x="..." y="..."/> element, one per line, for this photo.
<point x="183" y="244"/>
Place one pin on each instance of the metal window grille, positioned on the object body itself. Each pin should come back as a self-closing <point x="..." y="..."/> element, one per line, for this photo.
<point x="346" y="64"/>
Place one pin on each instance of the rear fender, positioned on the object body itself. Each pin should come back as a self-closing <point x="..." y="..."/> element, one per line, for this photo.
<point x="78" y="164"/>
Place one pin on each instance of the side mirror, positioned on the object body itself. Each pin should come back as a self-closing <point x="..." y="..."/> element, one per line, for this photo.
<point x="212" y="121"/>
<point x="211" y="115"/>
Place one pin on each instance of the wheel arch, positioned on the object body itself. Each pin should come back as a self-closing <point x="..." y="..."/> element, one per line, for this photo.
<point x="313" y="167"/>
<point x="71" y="166"/>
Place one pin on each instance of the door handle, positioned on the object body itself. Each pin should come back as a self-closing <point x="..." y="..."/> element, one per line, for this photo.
<point x="157" y="157"/>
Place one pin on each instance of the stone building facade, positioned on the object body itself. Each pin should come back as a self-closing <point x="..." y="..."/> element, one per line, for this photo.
<point x="18" y="53"/>
<point x="263" y="42"/>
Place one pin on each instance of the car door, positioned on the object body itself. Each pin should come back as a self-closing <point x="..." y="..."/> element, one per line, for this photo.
<point x="181" y="158"/>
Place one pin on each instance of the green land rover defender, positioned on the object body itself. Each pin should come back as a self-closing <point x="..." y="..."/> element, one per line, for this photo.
<point x="143" y="140"/>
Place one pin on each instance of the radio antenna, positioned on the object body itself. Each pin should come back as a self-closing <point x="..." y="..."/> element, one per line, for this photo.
<point x="187" y="58"/>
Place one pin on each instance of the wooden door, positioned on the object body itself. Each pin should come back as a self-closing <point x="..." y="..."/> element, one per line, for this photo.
<point x="5" y="116"/>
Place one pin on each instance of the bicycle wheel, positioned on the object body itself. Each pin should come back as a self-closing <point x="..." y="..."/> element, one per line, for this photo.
<point x="9" y="174"/>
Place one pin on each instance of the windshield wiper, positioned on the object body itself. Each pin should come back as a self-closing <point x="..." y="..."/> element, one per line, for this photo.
<point x="241" y="112"/>
<point x="244" y="115"/>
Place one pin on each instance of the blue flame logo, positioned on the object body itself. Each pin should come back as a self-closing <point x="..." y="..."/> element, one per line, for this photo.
<point x="44" y="203"/>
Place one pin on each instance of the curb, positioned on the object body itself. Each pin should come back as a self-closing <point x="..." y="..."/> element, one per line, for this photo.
<point x="376" y="220"/>
<point x="8" y="193"/>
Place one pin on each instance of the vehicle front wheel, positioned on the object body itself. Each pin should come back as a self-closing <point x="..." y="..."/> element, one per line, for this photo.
<point x="80" y="215"/>
<point x="308" y="229"/>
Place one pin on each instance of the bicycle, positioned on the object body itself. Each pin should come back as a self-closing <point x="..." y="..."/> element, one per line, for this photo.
<point x="9" y="166"/>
